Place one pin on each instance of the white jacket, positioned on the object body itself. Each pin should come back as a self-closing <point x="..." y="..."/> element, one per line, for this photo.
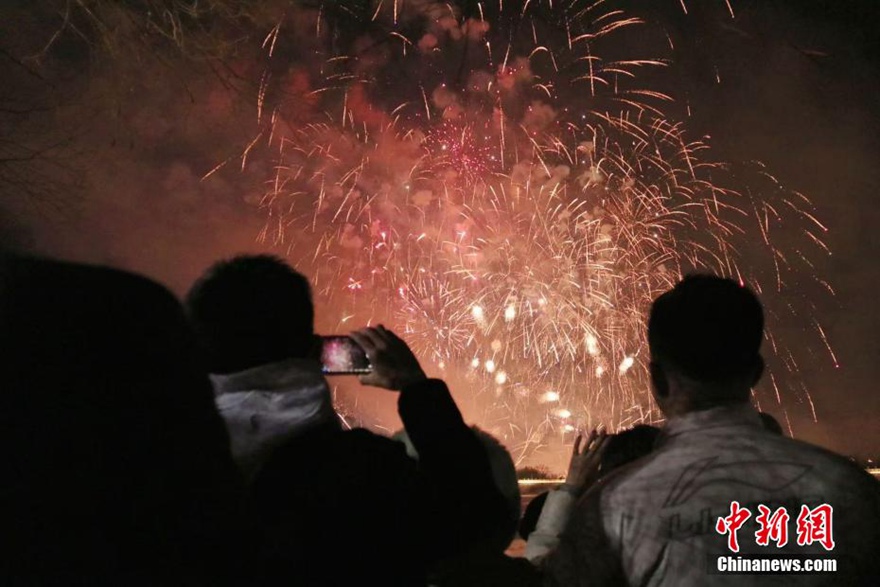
<point x="653" y="523"/>
<point x="264" y="406"/>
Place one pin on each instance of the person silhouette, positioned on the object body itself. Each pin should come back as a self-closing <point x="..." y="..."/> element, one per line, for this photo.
<point x="654" y="522"/>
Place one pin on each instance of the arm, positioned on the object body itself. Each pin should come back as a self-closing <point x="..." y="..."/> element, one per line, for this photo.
<point x="445" y="444"/>
<point x="583" y="471"/>
<point x="455" y="462"/>
<point x="451" y="457"/>
<point x="554" y="518"/>
<point x="585" y="555"/>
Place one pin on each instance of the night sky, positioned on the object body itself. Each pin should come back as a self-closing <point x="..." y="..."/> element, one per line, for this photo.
<point x="108" y="132"/>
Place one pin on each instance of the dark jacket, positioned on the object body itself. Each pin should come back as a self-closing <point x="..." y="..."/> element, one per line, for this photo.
<point x="350" y="507"/>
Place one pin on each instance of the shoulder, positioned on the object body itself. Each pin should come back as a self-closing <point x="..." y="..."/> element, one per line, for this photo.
<point x="604" y="499"/>
<point x="619" y="483"/>
<point x="833" y="465"/>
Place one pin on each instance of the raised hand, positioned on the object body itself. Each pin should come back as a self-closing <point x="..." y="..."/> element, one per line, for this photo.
<point x="394" y="364"/>
<point x="583" y="468"/>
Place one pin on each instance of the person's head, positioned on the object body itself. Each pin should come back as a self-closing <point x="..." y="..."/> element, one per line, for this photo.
<point x="627" y="446"/>
<point x="531" y="515"/>
<point x="771" y="424"/>
<point x="503" y="475"/>
<point x="104" y="396"/>
<point x="251" y="311"/>
<point x="705" y="337"/>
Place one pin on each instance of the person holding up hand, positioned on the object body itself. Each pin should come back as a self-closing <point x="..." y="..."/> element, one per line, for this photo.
<point x="583" y="470"/>
<point x="450" y="454"/>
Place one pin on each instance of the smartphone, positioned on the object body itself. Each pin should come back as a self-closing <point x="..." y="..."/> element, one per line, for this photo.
<point x="341" y="355"/>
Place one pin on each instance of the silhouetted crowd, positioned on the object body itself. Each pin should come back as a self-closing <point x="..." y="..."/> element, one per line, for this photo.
<point x="149" y="442"/>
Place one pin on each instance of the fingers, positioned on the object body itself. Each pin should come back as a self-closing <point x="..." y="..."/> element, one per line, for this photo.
<point x="597" y="438"/>
<point x="384" y="333"/>
<point x="378" y="338"/>
<point x="603" y="444"/>
<point x="390" y="339"/>
<point x="591" y="439"/>
<point x="601" y="441"/>
<point x="362" y="339"/>
<point x="390" y="336"/>
<point x="368" y="339"/>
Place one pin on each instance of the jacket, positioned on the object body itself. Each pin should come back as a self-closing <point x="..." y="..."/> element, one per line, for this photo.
<point x="656" y="521"/>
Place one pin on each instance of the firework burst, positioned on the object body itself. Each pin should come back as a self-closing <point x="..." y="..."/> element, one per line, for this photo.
<point x="484" y="178"/>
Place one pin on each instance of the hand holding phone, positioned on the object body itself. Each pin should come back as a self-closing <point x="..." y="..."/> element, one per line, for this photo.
<point x="341" y="355"/>
<point x="394" y="364"/>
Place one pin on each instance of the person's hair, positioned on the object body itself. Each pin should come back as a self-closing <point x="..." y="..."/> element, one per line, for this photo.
<point x="250" y="311"/>
<point x="531" y="515"/>
<point x="503" y="476"/>
<point x="627" y="446"/>
<point x="708" y="328"/>
<point x="771" y="424"/>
